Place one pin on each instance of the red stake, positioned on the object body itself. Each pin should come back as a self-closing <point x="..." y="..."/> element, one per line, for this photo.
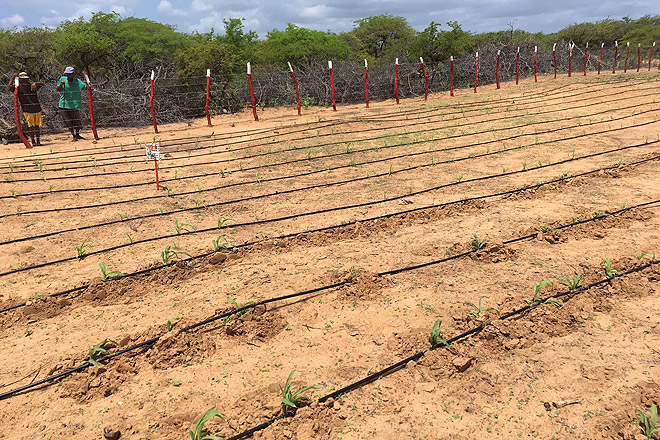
<point x="570" y="59"/>
<point x="451" y="81"/>
<point x="366" y="82"/>
<point x="295" y="82"/>
<point x="332" y="86"/>
<point x="18" y="117"/>
<point x="651" y="56"/>
<point x="396" y="80"/>
<point x="252" y="100"/>
<point x="536" y="64"/>
<point x="639" y="55"/>
<point x="616" y="53"/>
<point x="208" y="96"/>
<point x="600" y="55"/>
<point x="518" y="65"/>
<point x="554" y="56"/>
<point x="625" y="66"/>
<point x="497" y="70"/>
<point x="91" y="106"/>
<point x="476" y="71"/>
<point x="157" y="181"/>
<point x="151" y="102"/>
<point x="426" y="78"/>
<point x="586" y="58"/>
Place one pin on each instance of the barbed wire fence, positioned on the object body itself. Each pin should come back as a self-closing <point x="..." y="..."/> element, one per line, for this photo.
<point x="124" y="102"/>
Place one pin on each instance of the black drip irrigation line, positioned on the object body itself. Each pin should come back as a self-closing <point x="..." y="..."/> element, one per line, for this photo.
<point x="245" y="308"/>
<point x="311" y="125"/>
<point x="271" y="141"/>
<point x="415" y="357"/>
<point x="257" y="167"/>
<point x="80" y="228"/>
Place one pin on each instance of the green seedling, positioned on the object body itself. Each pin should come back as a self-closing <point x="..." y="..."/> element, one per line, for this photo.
<point x="237" y="306"/>
<point x="224" y="244"/>
<point x="81" y="250"/>
<point x="537" y="290"/>
<point x="572" y="283"/>
<point x="130" y="239"/>
<point x="222" y="222"/>
<point x="611" y="273"/>
<point x="648" y="424"/>
<point x="291" y="398"/>
<point x="171" y="323"/>
<point x="477" y="243"/>
<point x="12" y="167"/>
<point x="185" y="227"/>
<point x="109" y="275"/>
<point x="39" y="164"/>
<point x="478" y="310"/>
<point x="195" y="430"/>
<point x="435" y="338"/>
<point x="641" y="255"/>
<point x="171" y="252"/>
<point x="51" y="187"/>
<point x="601" y="214"/>
<point x="97" y="352"/>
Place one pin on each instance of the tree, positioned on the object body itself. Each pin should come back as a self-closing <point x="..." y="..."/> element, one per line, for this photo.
<point x="30" y="49"/>
<point x="381" y="37"/>
<point x="436" y="45"/>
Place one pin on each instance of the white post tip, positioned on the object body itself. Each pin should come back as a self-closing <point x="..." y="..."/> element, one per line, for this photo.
<point x="602" y="45"/>
<point x="329" y="64"/>
<point x="518" y="49"/>
<point x="616" y="43"/>
<point x="639" y="44"/>
<point x="208" y="72"/>
<point x="587" y="45"/>
<point x="421" y="60"/>
<point x="153" y="75"/>
<point x="365" y="63"/>
<point x="498" y="53"/>
<point x="451" y="58"/>
<point x="628" y="44"/>
<point x="654" y="44"/>
<point x="396" y="61"/>
<point x="554" y="46"/>
<point x="16" y="82"/>
<point x="476" y="55"/>
<point x="290" y="67"/>
<point x="535" y="49"/>
<point x="249" y="69"/>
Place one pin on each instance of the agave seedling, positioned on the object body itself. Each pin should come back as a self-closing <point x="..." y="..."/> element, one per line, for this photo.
<point x="196" y="429"/>
<point x="478" y="310"/>
<point x="97" y="352"/>
<point x="291" y="398"/>
<point x="435" y="338"/>
<point x="477" y="243"/>
<point x="109" y="275"/>
<point x="81" y="250"/>
<point x="611" y="273"/>
<point x="648" y="425"/>
<point x="572" y="283"/>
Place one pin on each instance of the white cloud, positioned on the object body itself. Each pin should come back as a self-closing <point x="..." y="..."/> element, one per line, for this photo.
<point x="201" y="6"/>
<point x="121" y="10"/>
<point x="166" y="7"/>
<point x="12" y="21"/>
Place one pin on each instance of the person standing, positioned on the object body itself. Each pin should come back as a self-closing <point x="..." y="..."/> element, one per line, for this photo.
<point x="70" y="89"/>
<point x="27" y="96"/>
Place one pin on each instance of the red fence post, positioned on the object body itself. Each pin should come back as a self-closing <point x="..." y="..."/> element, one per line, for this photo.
<point x="639" y="55"/>
<point x="396" y="80"/>
<point x="295" y="83"/>
<point x="252" y="100"/>
<point x="554" y="56"/>
<point x="366" y="82"/>
<point x="586" y="58"/>
<point x="91" y="106"/>
<point x="497" y="70"/>
<point x="536" y="64"/>
<point x="651" y="56"/>
<point x="517" y="65"/>
<point x="426" y="79"/>
<point x="570" y="59"/>
<point x="208" y="96"/>
<point x="332" y="86"/>
<point x="476" y="71"/>
<point x="625" y="66"/>
<point x="451" y="81"/>
<point x="18" y="116"/>
<point x="151" y="102"/>
<point x="600" y="55"/>
<point x="616" y="54"/>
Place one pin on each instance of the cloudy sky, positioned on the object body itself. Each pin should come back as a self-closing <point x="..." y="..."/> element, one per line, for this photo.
<point x="337" y="15"/>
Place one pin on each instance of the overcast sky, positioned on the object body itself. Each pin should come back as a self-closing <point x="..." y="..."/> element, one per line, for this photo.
<point x="336" y="16"/>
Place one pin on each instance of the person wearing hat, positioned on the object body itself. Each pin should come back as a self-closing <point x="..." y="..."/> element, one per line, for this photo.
<point x="27" y="96"/>
<point x="70" y="89"/>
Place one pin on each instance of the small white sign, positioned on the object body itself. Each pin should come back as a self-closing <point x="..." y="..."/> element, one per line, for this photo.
<point x="153" y="151"/>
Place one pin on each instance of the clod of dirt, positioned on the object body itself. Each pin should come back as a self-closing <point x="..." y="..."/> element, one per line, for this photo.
<point x="462" y="363"/>
<point x="218" y="258"/>
<point x="111" y="434"/>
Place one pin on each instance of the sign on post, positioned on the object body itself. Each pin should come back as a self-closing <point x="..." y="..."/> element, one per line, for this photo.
<point x="153" y="153"/>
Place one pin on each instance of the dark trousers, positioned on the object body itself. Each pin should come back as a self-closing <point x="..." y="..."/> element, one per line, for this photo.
<point x="71" y="118"/>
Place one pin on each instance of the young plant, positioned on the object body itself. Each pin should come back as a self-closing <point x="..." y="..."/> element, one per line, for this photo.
<point x="224" y="244"/>
<point x="171" y="252"/>
<point x="478" y="310"/>
<point x="641" y="255"/>
<point x="109" y="275"/>
<point x="222" y="222"/>
<point x="195" y="430"/>
<point x="291" y="398"/>
<point x="183" y="227"/>
<point x="435" y="338"/>
<point x="97" y="352"/>
<point x="611" y="273"/>
<point x="477" y="243"/>
<point x="237" y="306"/>
<point x="648" y="425"/>
<point x="572" y="283"/>
<point x="537" y="290"/>
<point x="81" y="250"/>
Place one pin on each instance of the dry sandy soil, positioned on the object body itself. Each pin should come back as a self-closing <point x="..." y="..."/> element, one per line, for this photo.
<point x="383" y="221"/>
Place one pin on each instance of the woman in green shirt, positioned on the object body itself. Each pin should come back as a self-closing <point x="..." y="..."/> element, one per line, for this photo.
<point x="70" y="89"/>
